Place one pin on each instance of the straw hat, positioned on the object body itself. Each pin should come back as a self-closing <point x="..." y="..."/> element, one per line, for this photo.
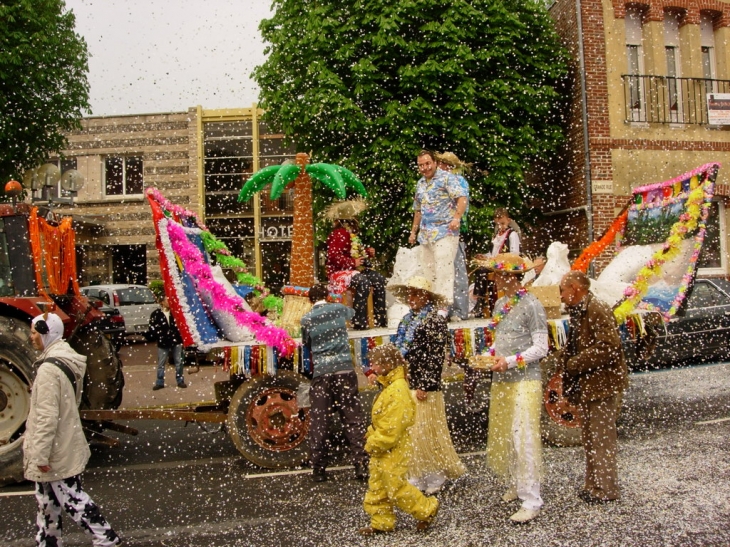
<point x="345" y="210"/>
<point x="449" y="158"/>
<point x="504" y="262"/>
<point x="418" y="283"/>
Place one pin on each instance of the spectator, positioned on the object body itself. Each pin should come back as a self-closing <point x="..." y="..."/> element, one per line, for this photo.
<point x="594" y="376"/>
<point x="164" y="331"/>
<point x="334" y="382"/>
<point x="388" y="443"/>
<point x="55" y="451"/>
<point x="438" y="206"/>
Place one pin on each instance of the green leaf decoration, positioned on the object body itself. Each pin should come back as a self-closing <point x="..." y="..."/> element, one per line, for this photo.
<point x="257" y="181"/>
<point x="351" y="181"/>
<point x="328" y="175"/>
<point x="286" y="175"/>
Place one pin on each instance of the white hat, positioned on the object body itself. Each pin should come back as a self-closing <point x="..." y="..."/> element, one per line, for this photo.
<point x="418" y="283"/>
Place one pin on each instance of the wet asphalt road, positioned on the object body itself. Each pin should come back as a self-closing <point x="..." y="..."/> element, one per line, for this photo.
<point x="183" y="486"/>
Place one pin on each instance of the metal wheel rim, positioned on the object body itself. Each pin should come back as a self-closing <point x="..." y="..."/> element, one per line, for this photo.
<point x="13" y="416"/>
<point x="274" y="420"/>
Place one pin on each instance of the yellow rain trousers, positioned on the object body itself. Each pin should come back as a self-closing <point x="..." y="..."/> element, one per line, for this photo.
<point x="389" y="446"/>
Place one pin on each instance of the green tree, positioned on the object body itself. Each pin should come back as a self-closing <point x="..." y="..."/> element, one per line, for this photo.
<point x="43" y="85"/>
<point x="367" y="83"/>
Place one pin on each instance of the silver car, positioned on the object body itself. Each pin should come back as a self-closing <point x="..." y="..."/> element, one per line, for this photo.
<point x="134" y="302"/>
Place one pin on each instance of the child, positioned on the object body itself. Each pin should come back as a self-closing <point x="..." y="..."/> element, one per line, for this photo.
<point x="389" y="446"/>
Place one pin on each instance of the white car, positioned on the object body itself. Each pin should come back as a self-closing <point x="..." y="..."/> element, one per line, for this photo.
<point x="134" y="302"/>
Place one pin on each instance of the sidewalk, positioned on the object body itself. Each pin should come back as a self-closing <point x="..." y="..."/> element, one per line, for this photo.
<point x="140" y="371"/>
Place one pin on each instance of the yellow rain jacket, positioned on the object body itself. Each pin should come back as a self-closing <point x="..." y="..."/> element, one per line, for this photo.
<point x="389" y="446"/>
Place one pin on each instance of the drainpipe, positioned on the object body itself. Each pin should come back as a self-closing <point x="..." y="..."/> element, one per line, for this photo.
<point x="584" y="112"/>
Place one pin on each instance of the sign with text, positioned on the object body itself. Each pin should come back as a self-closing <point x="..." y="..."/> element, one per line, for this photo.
<point x="718" y="108"/>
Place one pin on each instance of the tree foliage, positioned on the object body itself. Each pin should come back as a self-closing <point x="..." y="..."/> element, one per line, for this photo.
<point x="368" y="83"/>
<point x="43" y="86"/>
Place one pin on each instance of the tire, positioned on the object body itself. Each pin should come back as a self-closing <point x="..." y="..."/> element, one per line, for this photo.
<point x="104" y="380"/>
<point x="265" y="424"/>
<point x="559" y="420"/>
<point x="16" y="377"/>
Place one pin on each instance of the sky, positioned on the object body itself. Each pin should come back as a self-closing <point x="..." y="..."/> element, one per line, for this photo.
<point x="148" y="56"/>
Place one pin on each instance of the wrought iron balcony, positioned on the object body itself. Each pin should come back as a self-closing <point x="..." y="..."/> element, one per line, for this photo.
<point x="664" y="99"/>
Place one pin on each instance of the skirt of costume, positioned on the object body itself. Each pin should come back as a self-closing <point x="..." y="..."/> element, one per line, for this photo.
<point x="514" y="447"/>
<point x="432" y="449"/>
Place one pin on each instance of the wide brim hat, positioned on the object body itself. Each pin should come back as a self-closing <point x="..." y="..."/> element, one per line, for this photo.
<point x="345" y="210"/>
<point x="418" y="283"/>
<point x="504" y="262"/>
<point x="449" y="158"/>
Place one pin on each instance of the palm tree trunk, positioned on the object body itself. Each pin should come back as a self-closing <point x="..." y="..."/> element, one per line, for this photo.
<point x="302" y="246"/>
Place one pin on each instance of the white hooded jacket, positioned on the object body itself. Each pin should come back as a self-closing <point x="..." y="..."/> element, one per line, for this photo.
<point x="53" y="434"/>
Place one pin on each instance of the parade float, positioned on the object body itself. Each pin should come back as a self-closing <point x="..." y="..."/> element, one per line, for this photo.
<point x="656" y="239"/>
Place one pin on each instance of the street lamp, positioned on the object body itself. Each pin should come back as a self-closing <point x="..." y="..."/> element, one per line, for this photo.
<point x="47" y="176"/>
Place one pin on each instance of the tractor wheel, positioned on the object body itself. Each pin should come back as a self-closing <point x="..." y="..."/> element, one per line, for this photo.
<point x="104" y="380"/>
<point x="265" y="423"/>
<point x="16" y="377"/>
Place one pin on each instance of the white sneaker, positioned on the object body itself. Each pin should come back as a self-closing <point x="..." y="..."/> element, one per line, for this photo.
<point x="524" y="515"/>
<point x="509" y="495"/>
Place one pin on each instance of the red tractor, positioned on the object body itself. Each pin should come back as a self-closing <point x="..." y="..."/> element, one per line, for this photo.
<point x="38" y="274"/>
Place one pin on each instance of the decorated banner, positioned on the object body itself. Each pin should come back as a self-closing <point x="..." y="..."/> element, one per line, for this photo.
<point x="662" y="239"/>
<point x="208" y="310"/>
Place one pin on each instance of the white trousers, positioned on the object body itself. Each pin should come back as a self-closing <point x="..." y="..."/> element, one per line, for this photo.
<point x="438" y="265"/>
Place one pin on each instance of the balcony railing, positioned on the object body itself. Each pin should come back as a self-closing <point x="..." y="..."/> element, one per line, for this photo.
<point x="664" y="99"/>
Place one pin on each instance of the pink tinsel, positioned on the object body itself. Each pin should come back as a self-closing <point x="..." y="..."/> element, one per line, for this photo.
<point x="200" y="272"/>
<point x="171" y="207"/>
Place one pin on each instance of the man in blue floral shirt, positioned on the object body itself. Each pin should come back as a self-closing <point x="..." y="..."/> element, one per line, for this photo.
<point x="438" y="206"/>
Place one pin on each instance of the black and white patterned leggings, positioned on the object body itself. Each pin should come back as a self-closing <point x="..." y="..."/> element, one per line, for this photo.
<point x="67" y="495"/>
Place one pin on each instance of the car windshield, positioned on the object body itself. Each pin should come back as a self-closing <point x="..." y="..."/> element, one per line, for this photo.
<point x="135" y="296"/>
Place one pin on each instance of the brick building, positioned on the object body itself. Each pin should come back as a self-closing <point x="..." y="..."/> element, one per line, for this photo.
<point x="639" y="111"/>
<point x="198" y="159"/>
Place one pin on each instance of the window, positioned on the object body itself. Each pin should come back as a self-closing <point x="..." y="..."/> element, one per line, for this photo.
<point x="671" y="48"/>
<point x="712" y="259"/>
<point x="705" y="295"/>
<point x="635" y="60"/>
<point x="123" y="175"/>
<point x="707" y="37"/>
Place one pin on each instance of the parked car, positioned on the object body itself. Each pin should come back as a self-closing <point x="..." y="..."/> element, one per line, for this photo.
<point x="112" y="324"/>
<point x="135" y="303"/>
<point x="699" y="333"/>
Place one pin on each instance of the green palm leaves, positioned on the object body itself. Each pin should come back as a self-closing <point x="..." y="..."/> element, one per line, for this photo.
<point x="335" y="177"/>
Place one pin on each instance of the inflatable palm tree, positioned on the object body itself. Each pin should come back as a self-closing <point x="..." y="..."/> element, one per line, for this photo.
<point x="335" y="177"/>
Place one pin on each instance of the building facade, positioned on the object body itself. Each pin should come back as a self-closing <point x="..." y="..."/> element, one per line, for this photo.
<point x="198" y="159"/>
<point x="643" y="72"/>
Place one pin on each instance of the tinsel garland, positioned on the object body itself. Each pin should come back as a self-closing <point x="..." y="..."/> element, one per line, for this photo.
<point x="696" y="213"/>
<point x="508" y="306"/>
<point x="196" y="266"/>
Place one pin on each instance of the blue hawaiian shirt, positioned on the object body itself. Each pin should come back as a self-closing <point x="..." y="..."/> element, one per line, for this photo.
<point x="436" y="200"/>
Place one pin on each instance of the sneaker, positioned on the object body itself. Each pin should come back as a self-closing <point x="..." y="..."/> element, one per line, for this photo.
<point x="509" y="495"/>
<point x="370" y="531"/>
<point x="524" y="515"/>
<point x="319" y="475"/>
<point x="182" y="384"/>
<point x="156" y="387"/>
<point x="424" y="525"/>
<point x="431" y="490"/>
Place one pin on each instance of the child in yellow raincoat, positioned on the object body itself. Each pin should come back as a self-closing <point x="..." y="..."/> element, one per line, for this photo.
<point x="389" y="446"/>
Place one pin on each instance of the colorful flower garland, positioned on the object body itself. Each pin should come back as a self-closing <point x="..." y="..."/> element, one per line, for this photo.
<point x="509" y="305"/>
<point x="196" y="266"/>
<point x="697" y="208"/>
<point x="497" y="318"/>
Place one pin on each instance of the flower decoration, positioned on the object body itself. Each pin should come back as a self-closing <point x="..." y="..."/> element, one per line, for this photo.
<point x="697" y="209"/>
<point x="508" y="306"/>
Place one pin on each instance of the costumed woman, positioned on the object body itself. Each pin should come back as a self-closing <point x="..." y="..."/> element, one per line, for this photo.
<point x="519" y="330"/>
<point x="423" y="339"/>
<point x="348" y="264"/>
